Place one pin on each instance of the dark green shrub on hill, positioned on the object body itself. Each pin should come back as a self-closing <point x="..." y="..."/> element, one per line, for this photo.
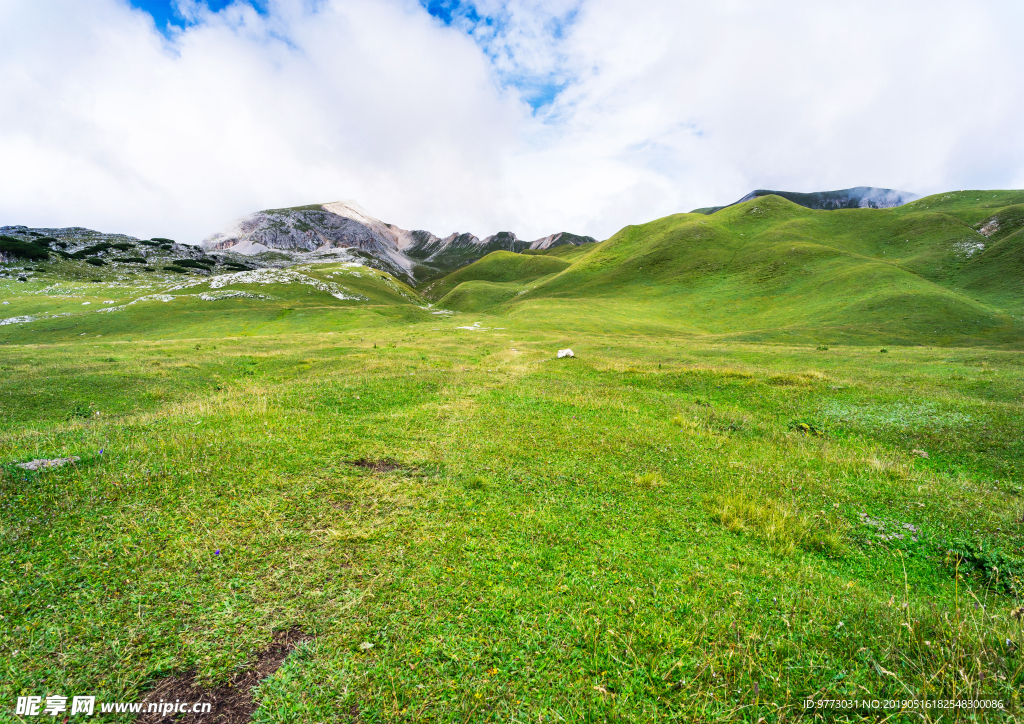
<point x="161" y="240"/>
<point x="121" y="246"/>
<point x="176" y="269"/>
<point x="90" y="250"/>
<point x="165" y="247"/>
<point x="130" y="259"/>
<point x="190" y="264"/>
<point x="235" y="266"/>
<point x="9" y="246"/>
<point x="149" y="243"/>
<point x="95" y="261"/>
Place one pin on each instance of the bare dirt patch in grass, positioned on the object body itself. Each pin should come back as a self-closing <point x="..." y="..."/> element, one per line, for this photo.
<point x="231" y="703"/>
<point x="377" y="466"/>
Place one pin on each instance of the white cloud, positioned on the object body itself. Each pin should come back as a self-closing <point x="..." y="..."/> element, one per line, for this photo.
<point x="110" y="125"/>
<point x="697" y="103"/>
<point x="665" y="106"/>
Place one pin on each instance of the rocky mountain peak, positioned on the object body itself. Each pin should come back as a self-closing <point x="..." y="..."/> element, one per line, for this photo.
<point x="344" y="226"/>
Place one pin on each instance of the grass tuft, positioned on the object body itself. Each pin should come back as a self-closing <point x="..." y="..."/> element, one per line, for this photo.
<point x="782" y="528"/>
<point x="650" y="480"/>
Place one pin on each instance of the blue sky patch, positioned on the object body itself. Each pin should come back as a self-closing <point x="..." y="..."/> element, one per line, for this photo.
<point x="449" y="11"/>
<point x="165" y="12"/>
<point x="537" y="89"/>
<point x="539" y="93"/>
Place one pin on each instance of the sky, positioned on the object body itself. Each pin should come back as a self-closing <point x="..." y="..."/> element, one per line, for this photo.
<point x="171" y="118"/>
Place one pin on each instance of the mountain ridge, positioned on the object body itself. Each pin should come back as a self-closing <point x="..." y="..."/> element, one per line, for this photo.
<point x="858" y="197"/>
<point x="415" y="255"/>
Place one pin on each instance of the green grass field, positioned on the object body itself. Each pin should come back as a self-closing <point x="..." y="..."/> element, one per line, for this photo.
<point x="729" y="502"/>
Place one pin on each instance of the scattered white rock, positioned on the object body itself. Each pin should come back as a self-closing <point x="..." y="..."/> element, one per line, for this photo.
<point x="921" y="453"/>
<point x="16" y="320"/>
<point x="280" y="276"/>
<point x="565" y="353"/>
<point x="228" y="294"/>
<point x="365" y="646"/>
<point x="51" y="463"/>
<point x="969" y="247"/>
<point x="991" y="226"/>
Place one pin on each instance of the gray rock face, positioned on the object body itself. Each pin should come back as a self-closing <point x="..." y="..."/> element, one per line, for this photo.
<point x="298" y="230"/>
<point x="413" y="255"/>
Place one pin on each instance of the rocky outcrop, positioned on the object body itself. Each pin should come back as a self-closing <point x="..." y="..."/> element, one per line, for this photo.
<point x="562" y="238"/>
<point x="414" y="255"/>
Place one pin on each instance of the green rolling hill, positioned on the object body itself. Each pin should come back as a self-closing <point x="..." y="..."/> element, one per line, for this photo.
<point x="946" y="269"/>
<point x="500" y="277"/>
<point x="501" y="267"/>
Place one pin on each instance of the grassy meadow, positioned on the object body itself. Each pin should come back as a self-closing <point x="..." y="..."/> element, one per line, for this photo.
<point x="675" y="525"/>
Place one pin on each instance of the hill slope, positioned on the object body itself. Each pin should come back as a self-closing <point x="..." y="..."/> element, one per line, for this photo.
<point x="498" y="266"/>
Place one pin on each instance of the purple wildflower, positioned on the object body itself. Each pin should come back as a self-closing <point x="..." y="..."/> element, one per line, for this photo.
<point x="217" y="552"/>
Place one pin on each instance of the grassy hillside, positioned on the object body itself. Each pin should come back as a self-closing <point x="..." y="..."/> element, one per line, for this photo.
<point x="563" y="252"/>
<point x="769" y="269"/>
<point x="500" y="266"/>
